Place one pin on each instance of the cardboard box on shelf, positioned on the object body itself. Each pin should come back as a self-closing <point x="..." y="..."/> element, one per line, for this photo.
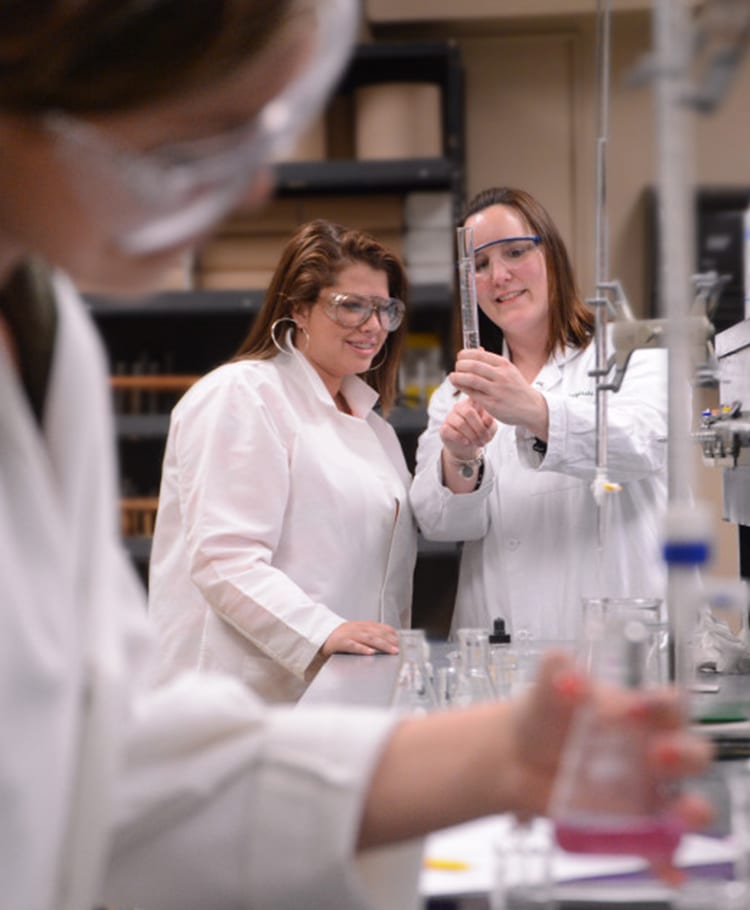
<point x="312" y="145"/>
<point x="233" y="279"/>
<point x="239" y="252"/>
<point x="398" y="120"/>
<point x="367" y="212"/>
<point x="432" y="273"/>
<point x="433" y="209"/>
<point x="277" y="216"/>
<point x="429" y="246"/>
<point x="180" y="277"/>
<point x="391" y="240"/>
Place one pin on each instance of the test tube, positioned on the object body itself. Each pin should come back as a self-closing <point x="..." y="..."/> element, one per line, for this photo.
<point x="468" y="286"/>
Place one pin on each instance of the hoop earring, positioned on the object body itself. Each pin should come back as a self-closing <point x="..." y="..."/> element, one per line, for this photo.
<point x="296" y="325"/>
<point x="375" y="366"/>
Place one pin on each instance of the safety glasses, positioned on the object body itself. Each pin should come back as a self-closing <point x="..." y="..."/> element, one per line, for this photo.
<point x="166" y="196"/>
<point x="512" y="251"/>
<point x="353" y="310"/>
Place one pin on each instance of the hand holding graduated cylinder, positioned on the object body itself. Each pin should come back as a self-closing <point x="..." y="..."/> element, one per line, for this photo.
<point x="468" y="287"/>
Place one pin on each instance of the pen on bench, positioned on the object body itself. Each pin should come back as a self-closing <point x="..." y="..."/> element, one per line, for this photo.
<point x="446" y="865"/>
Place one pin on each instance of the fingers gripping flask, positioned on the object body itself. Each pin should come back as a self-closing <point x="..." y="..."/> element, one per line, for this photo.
<point x="606" y="799"/>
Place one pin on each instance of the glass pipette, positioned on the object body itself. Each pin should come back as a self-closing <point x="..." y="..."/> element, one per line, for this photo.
<point x="468" y="286"/>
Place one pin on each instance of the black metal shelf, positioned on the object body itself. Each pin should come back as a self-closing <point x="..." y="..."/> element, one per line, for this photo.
<point x="177" y="303"/>
<point x="156" y="426"/>
<point x="346" y="175"/>
<point x="142" y="426"/>
<point x="402" y="61"/>
<point x="240" y="302"/>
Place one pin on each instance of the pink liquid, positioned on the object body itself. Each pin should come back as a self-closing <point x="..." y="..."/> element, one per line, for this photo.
<point x="638" y="836"/>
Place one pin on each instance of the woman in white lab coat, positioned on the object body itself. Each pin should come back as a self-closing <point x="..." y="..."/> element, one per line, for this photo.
<point x="193" y="795"/>
<point x="509" y="456"/>
<point x="284" y="532"/>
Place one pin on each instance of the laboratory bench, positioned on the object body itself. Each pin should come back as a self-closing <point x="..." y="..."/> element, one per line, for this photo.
<point x="368" y="681"/>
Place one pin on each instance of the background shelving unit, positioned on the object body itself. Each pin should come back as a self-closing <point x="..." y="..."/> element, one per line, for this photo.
<point x="188" y="332"/>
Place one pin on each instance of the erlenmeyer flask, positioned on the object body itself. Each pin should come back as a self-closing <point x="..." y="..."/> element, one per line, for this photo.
<point x="605" y="799"/>
<point x="414" y="691"/>
<point x="474" y="683"/>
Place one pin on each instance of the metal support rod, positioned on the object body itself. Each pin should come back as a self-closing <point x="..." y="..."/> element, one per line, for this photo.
<point x="672" y="44"/>
<point x="601" y="274"/>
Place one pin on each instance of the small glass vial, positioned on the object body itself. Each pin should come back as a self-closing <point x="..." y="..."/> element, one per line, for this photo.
<point x="474" y="683"/>
<point x="414" y="692"/>
<point x="503" y="662"/>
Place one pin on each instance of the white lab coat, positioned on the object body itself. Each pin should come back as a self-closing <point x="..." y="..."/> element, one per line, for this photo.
<point x="531" y="541"/>
<point x="279" y="518"/>
<point x="190" y="796"/>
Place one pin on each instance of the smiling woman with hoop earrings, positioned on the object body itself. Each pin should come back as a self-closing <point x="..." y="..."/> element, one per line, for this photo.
<point x="284" y="532"/>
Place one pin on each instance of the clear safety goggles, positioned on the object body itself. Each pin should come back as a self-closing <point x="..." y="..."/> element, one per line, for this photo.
<point x="511" y="251"/>
<point x="166" y="196"/>
<point x="353" y="310"/>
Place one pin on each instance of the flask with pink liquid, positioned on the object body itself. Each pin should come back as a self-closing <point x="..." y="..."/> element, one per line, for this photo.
<point x="606" y="801"/>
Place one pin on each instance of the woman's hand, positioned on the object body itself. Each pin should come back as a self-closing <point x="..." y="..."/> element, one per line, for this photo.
<point x="362" y="637"/>
<point x="542" y="720"/>
<point x="453" y="766"/>
<point x="496" y="384"/>
<point x="467" y="428"/>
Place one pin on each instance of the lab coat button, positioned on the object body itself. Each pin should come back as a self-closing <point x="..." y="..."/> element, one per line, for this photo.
<point x="513" y="543"/>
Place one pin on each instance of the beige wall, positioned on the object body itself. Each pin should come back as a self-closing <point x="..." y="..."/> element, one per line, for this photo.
<point x="531" y="105"/>
<point x="449" y="10"/>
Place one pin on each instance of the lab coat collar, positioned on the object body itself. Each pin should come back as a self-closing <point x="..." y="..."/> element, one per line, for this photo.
<point x="360" y="396"/>
<point x="551" y="373"/>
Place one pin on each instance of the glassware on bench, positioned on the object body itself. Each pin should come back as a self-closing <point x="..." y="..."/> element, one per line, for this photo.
<point x="414" y="691"/>
<point x="474" y="683"/>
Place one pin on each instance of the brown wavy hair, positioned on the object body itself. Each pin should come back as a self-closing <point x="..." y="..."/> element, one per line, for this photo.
<point x="570" y="321"/>
<point x="310" y="262"/>
<point x="108" y="55"/>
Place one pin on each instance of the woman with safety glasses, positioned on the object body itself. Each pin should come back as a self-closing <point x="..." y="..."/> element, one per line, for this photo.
<point x="127" y="128"/>
<point x="508" y="459"/>
<point x="284" y="532"/>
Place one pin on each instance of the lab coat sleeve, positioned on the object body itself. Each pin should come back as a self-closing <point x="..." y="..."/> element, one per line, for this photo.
<point x="233" y="451"/>
<point x="441" y="514"/>
<point x="227" y="804"/>
<point x="636" y="427"/>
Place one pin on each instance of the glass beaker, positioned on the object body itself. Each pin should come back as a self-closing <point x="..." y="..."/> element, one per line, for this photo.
<point x="522" y="867"/>
<point x="474" y="683"/>
<point x="503" y="664"/>
<point x="606" y="800"/>
<point x="414" y="692"/>
<point x="600" y="657"/>
<point x="446" y="681"/>
<point x="703" y="888"/>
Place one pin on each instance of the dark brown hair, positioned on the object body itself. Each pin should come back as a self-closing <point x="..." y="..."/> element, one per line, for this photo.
<point x="109" y="55"/>
<point x="310" y="262"/>
<point x="570" y="321"/>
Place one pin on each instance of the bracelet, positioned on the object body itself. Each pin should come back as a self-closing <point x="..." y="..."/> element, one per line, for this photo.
<point x="467" y="466"/>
